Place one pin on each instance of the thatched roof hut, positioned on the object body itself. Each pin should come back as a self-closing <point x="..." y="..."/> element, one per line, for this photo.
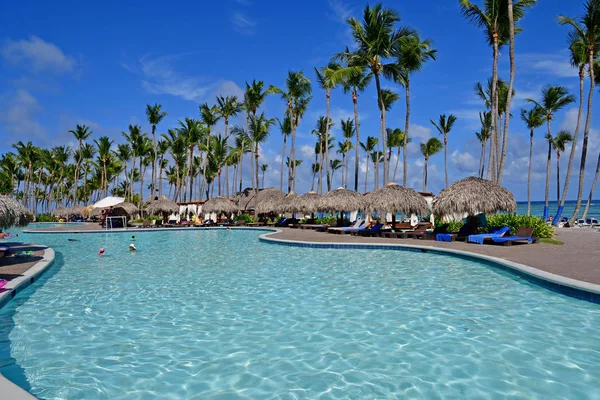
<point x="219" y="205"/>
<point x="12" y="213"/>
<point x="341" y="200"/>
<point x="162" y="205"/>
<point x="284" y="203"/>
<point x="268" y="200"/>
<point x="90" y="210"/>
<point x="473" y="195"/>
<point x="61" y="212"/>
<point x="394" y="198"/>
<point x="126" y="208"/>
<point x="76" y="209"/>
<point x="305" y="203"/>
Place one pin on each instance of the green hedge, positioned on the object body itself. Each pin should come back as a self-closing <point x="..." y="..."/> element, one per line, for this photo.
<point x="246" y="218"/>
<point x="45" y="218"/>
<point x="542" y="229"/>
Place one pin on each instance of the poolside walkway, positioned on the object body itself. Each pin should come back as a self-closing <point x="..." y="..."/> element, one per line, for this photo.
<point x="14" y="266"/>
<point x="578" y="258"/>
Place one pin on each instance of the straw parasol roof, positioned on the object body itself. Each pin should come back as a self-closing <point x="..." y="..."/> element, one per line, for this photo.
<point x="90" y="210"/>
<point x="305" y="203"/>
<point x="394" y="198"/>
<point x="127" y="208"/>
<point x="76" y="209"/>
<point x="283" y="204"/>
<point x="268" y="200"/>
<point x="61" y="212"/>
<point x="219" y="205"/>
<point x="162" y="205"/>
<point x="473" y="195"/>
<point x="340" y="199"/>
<point x="12" y="213"/>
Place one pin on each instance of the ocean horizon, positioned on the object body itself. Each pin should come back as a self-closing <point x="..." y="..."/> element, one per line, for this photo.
<point x="537" y="208"/>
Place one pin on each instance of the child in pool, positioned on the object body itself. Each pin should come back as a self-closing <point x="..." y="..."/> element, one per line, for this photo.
<point x="101" y="252"/>
<point x="132" y="247"/>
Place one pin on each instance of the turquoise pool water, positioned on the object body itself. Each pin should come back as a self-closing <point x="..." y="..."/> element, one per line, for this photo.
<point x="46" y="225"/>
<point x="218" y="314"/>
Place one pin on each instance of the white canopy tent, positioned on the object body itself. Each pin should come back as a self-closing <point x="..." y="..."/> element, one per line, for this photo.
<point x="109" y="201"/>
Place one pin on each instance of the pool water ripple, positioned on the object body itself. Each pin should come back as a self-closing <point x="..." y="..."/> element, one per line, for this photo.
<point x="218" y="314"/>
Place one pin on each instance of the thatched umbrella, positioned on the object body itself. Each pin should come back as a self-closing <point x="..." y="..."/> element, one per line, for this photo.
<point x="219" y="205"/>
<point x="12" y="213"/>
<point x="305" y="203"/>
<point x="473" y="195"/>
<point x="76" y="209"/>
<point x="90" y="210"/>
<point x="340" y="199"/>
<point x="394" y="198"/>
<point x="61" y="212"/>
<point x="284" y="203"/>
<point x="268" y="200"/>
<point x="162" y="205"/>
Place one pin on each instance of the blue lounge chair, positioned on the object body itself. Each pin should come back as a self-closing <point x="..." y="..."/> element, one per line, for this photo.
<point x="522" y="235"/>
<point x="348" y="229"/>
<point x="462" y="234"/>
<point x="480" y="238"/>
<point x="370" y="231"/>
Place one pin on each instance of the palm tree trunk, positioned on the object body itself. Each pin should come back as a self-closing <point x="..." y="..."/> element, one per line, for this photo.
<point x="153" y="186"/>
<point x="319" y="158"/>
<point x="494" y="138"/>
<point x="191" y="174"/>
<point x="586" y="133"/>
<point x="587" y="206"/>
<point x="383" y="132"/>
<point x="397" y="160"/>
<point x="511" y="83"/>
<point x="367" y="174"/>
<point x="241" y="167"/>
<point x="263" y="179"/>
<point x="293" y="152"/>
<point x="446" y="156"/>
<point x="558" y="178"/>
<point x="327" y="137"/>
<point x="406" y="126"/>
<point x="346" y="159"/>
<point x="547" y="194"/>
<point x="574" y="143"/>
<point x="357" y="159"/>
<point x="425" y="174"/>
<point x="282" y="163"/>
<point x="256" y="164"/>
<point x="529" y="173"/>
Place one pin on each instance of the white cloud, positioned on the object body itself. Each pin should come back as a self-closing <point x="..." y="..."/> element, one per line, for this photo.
<point x="242" y="23"/>
<point x="464" y="162"/>
<point x="307" y="151"/>
<point x="37" y="54"/>
<point x="159" y="76"/>
<point x="17" y="114"/>
<point x="418" y="133"/>
<point x="555" y="64"/>
<point x="341" y="11"/>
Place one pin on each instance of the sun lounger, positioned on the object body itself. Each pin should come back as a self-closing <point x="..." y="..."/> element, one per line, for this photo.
<point x="522" y="235"/>
<point x="4" y="251"/>
<point x="341" y="230"/>
<point x="417" y="232"/>
<point x="496" y="232"/>
<point x="462" y="234"/>
<point x="375" y="230"/>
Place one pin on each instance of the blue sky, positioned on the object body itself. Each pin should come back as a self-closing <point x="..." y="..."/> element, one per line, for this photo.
<point x="64" y="63"/>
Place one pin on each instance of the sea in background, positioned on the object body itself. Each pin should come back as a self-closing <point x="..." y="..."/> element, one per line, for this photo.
<point x="537" y="208"/>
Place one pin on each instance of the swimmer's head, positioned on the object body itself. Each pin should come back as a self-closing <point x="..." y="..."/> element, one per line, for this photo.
<point x="132" y="247"/>
<point x="101" y="252"/>
<point x="133" y="238"/>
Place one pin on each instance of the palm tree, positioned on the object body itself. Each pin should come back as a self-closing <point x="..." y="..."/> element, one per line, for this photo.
<point x="374" y="38"/>
<point x="254" y="96"/>
<point x="209" y="116"/>
<point x="395" y="140"/>
<point x="104" y="144"/>
<point x="355" y="84"/>
<point x="297" y="95"/>
<point x="431" y="147"/>
<point x="315" y="170"/>
<point x="494" y="20"/>
<point x="154" y="115"/>
<point x="263" y="169"/>
<point x="259" y="133"/>
<point x="368" y="146"/>
<point x="162" y="146"/>
<point x="228" y="107"/>
<point x="81" y="133"/>
<point x="322" y="132"/>
<point x="554" y="98"/>
<point x="286" y="130"/>
<point x="191" y="130"/>
<point x="389" y="98"/>
<point x="444" y="126"/>
<point x="334" y="165"/>
<point x="348" y="133"/>
<point x="587" y="30"/>
<point x="594" y="183"/>
<point x="483" y="136"/>
<point x="533" y="118"/>
<point x="410" y="54"/>
<point x="558" y="143"/>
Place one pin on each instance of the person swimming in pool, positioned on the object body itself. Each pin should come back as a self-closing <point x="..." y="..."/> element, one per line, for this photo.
<point x="132" y="248"/>
<point x="133" y="238"/>
<point x="101" y="252"/>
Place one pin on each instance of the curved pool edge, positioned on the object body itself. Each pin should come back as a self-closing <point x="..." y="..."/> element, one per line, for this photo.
<point x="558" y="283"/>
<point x="8" y="388"/>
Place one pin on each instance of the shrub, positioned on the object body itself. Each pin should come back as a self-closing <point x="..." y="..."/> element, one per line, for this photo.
<point x="247" y="218"/>
<point x="542" y="229"/>
<point x="154" y="217"/>
<point x="138" y="220"/>
<point x="45" y="218"/>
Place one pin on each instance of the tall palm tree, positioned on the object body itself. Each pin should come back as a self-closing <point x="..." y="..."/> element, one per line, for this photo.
<point x="368" y="146"/>
<point x="104" y="144"/>
<point x="411" y="54"/>
<point x="263" y="169"/>
<point x="191" y="130"/>
<point x="494" y="20"/>
<point x="356" y="83"/>
<point x="594" y="183"/>
<point x="558" y="143"/>
<point x="429" y="148"/>
<point x="554" y="98"/>
<point x="297" y="95"/>
<point x="286" y="130"/>
<point x="485" y="118"/>
<point x="374" y="38"/>
<point x="124" y="154"/>
<point x="395" y="140"/>
<point x="209" y="116"/>
<point x="322" y="132"/>
<point x="81" y="133"/>
<point x="155" y="115"/>
<point x="348" y="132"/>
<point x="389" y="98"/>
<point x="228" y="107"/>
<point x="334" y="165"/>
<point x="162" y="146"/>
<point x="444" y="126"/>
<point x="259" y="133"/>
<point x="587" y="30"/>
<point x="315" y="170"/>
<point x="533" y="118"/>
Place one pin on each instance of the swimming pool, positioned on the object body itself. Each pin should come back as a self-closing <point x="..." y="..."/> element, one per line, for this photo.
<point x="196" y="314"/>
<point x="46" y="225"/>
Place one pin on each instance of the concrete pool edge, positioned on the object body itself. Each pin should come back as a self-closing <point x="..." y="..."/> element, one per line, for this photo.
<point x="564" y="285"/>
<point x="15" y="286"/>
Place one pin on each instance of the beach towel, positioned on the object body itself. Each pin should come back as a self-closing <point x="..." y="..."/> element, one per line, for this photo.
<point x="443" y="237"/>
<point x="504" y="239"/>
<point x="496" y="232"/>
